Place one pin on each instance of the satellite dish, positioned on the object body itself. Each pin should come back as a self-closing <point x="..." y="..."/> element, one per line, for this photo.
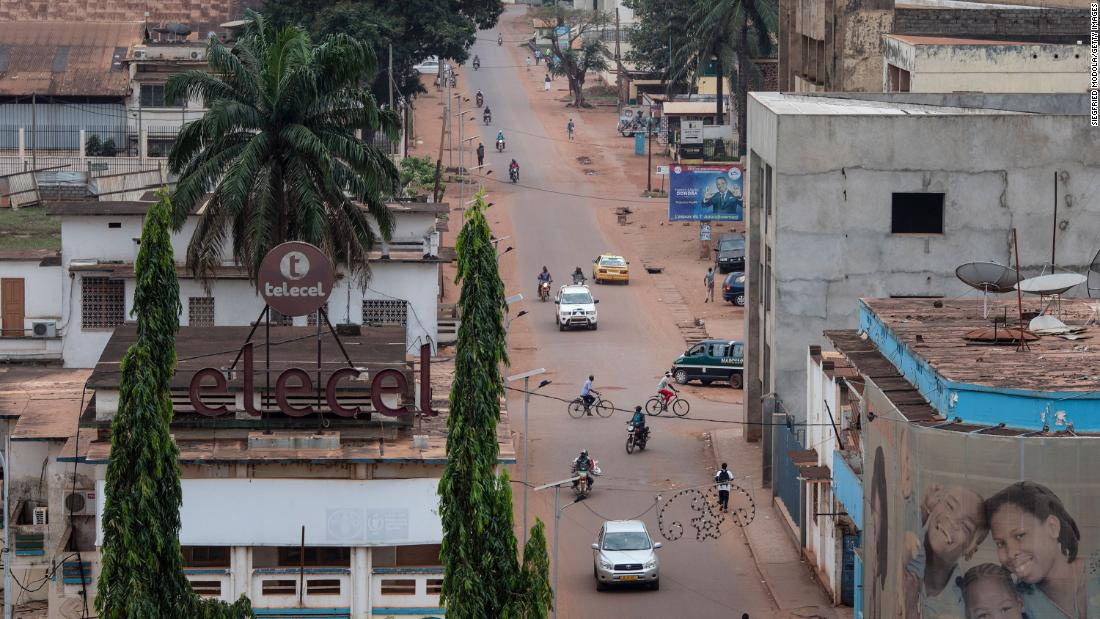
<point x="1049" y="285"/>
<point x="987" y="276"/>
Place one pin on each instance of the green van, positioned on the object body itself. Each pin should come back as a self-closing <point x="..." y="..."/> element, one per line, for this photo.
<point x="711" y="360"/>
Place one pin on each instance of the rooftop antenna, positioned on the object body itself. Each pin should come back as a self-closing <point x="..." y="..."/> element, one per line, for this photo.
<point x="987" y="277"/>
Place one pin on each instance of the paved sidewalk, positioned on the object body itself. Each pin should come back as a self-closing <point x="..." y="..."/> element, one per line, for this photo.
<point x="774" y="549"/>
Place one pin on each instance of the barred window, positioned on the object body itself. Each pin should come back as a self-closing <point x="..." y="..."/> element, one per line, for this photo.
<point x="313" y="317"/>
<point x="278" y="319"/>
<point x="102" y="302"/>
<point x="385" y="312"/>
<point x="200" y="311"/>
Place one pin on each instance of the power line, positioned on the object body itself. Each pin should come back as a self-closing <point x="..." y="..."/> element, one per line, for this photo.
<point x="638" y="200"/>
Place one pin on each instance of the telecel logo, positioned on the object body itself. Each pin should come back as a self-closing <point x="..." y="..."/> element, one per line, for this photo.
<point x="294" y="265"/>
<point x="295" y="278"/>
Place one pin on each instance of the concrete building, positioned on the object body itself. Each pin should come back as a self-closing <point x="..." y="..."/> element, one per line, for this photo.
<point x="30" y="295"/>
<point x="837" y="45"/>
<point x="885" y="195"/>
<point x="948" y="64"/>
<point x="964" y="438"/>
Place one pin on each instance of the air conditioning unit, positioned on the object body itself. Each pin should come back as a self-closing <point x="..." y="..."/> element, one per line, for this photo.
<point x="138" y="54"/>
<point x="80" y="503"/>
<point x="40" y="515"/>
<point x="194" y="55"/>
<point x="44" y="329"/>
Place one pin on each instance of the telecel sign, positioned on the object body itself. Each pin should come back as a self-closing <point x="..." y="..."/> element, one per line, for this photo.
<point x="295" y="278"/>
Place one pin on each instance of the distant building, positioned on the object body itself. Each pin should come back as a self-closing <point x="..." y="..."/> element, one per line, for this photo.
<point x="885" y="195"/>
<point x="966" y="444"/>
<point x="202" y="16"/>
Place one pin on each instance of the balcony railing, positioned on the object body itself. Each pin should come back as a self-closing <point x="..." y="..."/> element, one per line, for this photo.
<point x="406" y="587"/>
<point x="279" y="587"/>
<point x="213" y="582"/>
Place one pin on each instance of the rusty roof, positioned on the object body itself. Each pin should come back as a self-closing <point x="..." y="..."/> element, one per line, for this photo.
<point x="45" y="402"/>
<point x="202" y="15"/>
<point x="66" y="58"/>
<point x="936" y="334"/>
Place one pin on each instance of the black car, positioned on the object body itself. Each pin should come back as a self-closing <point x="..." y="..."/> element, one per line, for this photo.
<point x="733" y="289"/>
<point x="730" y="253"/>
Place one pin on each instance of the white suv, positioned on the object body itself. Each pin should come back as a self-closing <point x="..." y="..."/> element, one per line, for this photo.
<point x="624" y="554"/>
<point x="576" y="308"/>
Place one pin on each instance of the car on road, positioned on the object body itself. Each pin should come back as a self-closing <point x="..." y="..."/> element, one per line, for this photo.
<point x="576" y="308"/>
<point x="729" y="255"/>
<point x="610" y="268"/>
<point x="430" y="66"/>
<point x="624" y="554"/>
<point x="733" y="289"/>
<point x="712" y="360"/>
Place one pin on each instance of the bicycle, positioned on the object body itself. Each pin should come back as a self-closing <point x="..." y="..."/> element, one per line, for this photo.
<point x="578" y="409"/>
<point x="656" y="405"/>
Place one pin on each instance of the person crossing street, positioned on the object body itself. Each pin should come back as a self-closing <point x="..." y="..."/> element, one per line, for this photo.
<point x="722" y="481"/>
<point x="480" y="154"/>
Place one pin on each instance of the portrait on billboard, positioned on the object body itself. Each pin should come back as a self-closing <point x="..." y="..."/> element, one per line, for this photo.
<point x="707" y="193"/>
<point x="974" y="529"/>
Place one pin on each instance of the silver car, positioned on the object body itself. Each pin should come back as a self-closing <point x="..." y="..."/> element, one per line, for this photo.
<point x="625" y="554"/>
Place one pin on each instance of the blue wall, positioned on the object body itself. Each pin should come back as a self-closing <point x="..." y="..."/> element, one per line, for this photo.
<point x="848" y="489"/>
<point x="980" y="404"/>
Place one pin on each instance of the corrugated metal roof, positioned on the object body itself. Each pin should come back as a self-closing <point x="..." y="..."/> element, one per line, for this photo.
<point x="202" y="15"/>
<point x="65" y="58"/>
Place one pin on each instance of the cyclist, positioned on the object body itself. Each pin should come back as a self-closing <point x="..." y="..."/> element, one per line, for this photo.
<point x="666" y="390"/>
<point x="586" y="395"/>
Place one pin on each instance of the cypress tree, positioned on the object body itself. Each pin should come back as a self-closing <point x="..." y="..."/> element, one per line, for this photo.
<point x="538" y="595"/>
<point x="482" y="576"/>
<point x="142" y="565"/>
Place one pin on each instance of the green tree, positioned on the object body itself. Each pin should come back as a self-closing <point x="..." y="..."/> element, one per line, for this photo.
<point x="660" y="28"/>
<point x="142" y="570"/>
<point x="577" y="52"/>
<point x="482" y="576"/>
<point x="731" y="33"/>
<point x="536" y="566"/>
<point x="417" y="174"/>
<point x="277" y="151"/>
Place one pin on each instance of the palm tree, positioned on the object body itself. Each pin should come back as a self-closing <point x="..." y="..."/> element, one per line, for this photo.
<point x="276" y="157"/>
<point x="732" y="33"/>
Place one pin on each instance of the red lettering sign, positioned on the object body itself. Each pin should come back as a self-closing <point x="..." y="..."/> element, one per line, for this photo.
<point x="297" y="382"/>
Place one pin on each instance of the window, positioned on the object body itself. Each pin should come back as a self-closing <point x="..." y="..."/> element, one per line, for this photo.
<point x="278" y="319"/>
<point x="406" y="556"/>
<point x="291" y="556"/>
<point x="387" y="312"/>
<point x="897" y="79"/>
<point x="200" y="311"/>
<point x="205" y="556"/>
<point x="152" y="95"/>
<point x="916" y="213"/>
<point x="114" y="224"/>
<point x="695" y="350"/>
<point x="738" y="350"/>
<point x="767" y="190"/>
<point x="718" y="350"/>
<point x="102" y="302"/>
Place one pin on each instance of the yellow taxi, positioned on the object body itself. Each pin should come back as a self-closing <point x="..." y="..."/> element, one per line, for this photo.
<point x="610" y="268"/>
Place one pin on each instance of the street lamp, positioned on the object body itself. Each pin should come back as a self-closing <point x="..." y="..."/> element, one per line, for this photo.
<point x="526" y="376"/>
<point x="557" y="519"/>
<point x="516" y="298"/>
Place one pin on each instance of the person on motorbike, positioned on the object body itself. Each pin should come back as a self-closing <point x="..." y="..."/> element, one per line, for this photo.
<point x="500" y="135"/>
<point x="665" y="388"/>
<point x="544" y="277"/>
<point x="513" y="168"/>
<point x="578" y="277"/>
<point x="480" y="98"/>
<point x="500" y="39"/>
<point x="477" y="62"/>
<point x="637" y="423"/>
<point x="583" y="464"/>
<point x="487" y="116"/>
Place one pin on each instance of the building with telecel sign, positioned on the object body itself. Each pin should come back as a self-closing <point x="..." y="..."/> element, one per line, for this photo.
<point x="949" y="464"/>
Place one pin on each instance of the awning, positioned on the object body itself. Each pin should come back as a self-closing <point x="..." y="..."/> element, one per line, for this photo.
<point x="816" y="474"/>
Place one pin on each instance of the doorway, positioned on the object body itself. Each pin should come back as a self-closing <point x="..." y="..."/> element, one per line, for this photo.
<point x="12" y="306"/>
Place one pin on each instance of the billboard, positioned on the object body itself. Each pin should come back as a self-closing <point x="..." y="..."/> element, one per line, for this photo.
<point x="707" y="193"/>
<point x="961" y="526"/>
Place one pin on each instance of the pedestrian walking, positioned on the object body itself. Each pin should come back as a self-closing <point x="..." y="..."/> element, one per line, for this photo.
<point x="538" y="56"/>
<point x="480" y="154"/>
<point x="722" y="480"/>
<point x="570" y="128"/>
<point x="546" y="83"/>
<point x="708" y="281"/>
<point x="528" y="61"/>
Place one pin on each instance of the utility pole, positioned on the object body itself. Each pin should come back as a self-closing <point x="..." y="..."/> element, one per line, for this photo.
<point x="7" y="553"/>
<point x="649" y="166"/>
<point x="34" y="166"/>
<point x="391" y="75"/>
<point x="618" y="61"/>
<point x="558" y="509"/>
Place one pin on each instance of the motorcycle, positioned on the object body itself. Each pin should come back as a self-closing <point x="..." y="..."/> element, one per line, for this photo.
<point x="480" y="100"/>
<point x="634" y="438"/>
<point x="453" y="81"/>
<point x="487" y="118"/>
<point x="500" y="40"/>
<point x="578" y="279"/>
<point x="500" y="146"/>
<point x="544" y="291"/>
<point x="477" y="65"/>
<point x="583" y="486"/>
<point x="513" y="173"/>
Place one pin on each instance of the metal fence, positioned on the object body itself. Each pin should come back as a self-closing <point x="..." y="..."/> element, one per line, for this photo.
<point x="93" y="140"/>
<point x="785" y="483"/>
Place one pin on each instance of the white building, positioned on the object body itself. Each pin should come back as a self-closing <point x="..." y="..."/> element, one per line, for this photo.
<point x="31" y="300"/>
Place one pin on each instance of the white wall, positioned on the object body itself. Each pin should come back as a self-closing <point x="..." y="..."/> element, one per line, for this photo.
<point x="821" y="531"/>
<point x="42" y="301"/>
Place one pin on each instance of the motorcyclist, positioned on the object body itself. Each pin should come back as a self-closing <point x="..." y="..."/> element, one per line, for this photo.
<point x="477" y="62"/>
<point x="665" y="388"/>
<point x="637" y="423"/>
<point x="487" y="116"/>
<point x="578" y="277"/>
<point x="500" y="39"/>
<point x="480" y="98"/>
<point x="544" y="276"/>
<point x="500" y="135"/>
<point x="583" y="464"/>
<point x="513" y="168"/>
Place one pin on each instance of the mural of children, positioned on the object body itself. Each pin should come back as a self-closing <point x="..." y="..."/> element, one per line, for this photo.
<point x="1038" y="542"/>
<point x="953" y="525"/>
<point x="990" y="593"/>
<point x="879" y="517"/>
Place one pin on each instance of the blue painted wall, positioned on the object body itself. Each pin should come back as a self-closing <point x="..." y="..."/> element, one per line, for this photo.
<point x="848" y="489"/>
<point x="980" y="404"/>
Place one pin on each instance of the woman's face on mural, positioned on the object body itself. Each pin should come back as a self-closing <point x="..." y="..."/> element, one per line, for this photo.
<point x="1027" y="546"/>
<point x="954" y="523"/>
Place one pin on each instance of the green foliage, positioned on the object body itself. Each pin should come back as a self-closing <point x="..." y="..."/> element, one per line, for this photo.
<point x="416" y="29"/>
<point x="417" y="174"/>
<point x="539" y="596"/>
<point x="142" y="569"/>
<point x="661" y="27"/>
<point x="93" y="146"/>
<point x="482" y="576"/>
<point x="108" y="149"/>
<point x="277" y="153"/>
<point x="575" y="59"/>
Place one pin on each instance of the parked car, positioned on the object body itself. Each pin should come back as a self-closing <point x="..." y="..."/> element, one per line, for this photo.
<point x="711" y="360"/>
<point x="610" y="268"/>
<point x="730" y="253"/>
<point x="733" y="289"/>
<point x="624" y="554"/>
<point x="576" y="308"/>
<point x="430" y="66"/>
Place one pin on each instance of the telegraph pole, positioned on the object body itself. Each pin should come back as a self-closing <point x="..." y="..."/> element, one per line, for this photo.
<point x="618" y="60"/>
